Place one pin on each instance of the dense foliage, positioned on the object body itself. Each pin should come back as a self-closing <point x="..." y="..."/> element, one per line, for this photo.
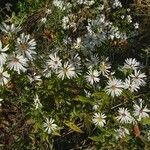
<point x="73" y="76"/>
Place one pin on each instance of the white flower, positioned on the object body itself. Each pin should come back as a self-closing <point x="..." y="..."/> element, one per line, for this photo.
<point x="92" y="76"/>
<point x="1" y="101"/>
<point x="130" y="85"/>
<point x="48" y="11"/>
<point x="128" y="10"/>
<point x="124" y="116"/>
<point x="50" y="126"/>
<point x="102" y="18"/>
<point x="65" y="22"/>
<point x="26" y="46"/>
<point x="101" y="7"/>
<point x="88" y="93"/>
<point x="8" y="7"/>
<point x="129" y="18"/>
<point x="9" y="28"/>
<point x="17" y="63"/>
<point x="58" y="3"/>
<point x="34" y="78"/>
<point x="47" y="72"/>
<point x="3" y="55"/>
<point x="110" y="75"/>
<point x="140" y="111"/>
<point x="104" y="68"/>
<point x="138" y="77"/>
<point x="94" y="61"/>
<point x="114" y="87"/>
<point x="136" y="25"/>
<point x="67" y="71"/>
<point x="131" y="63"/>
<point x="80" y="1"/>
<point x="76" y="61"/>
<point x="54" y="62"/>
<point x="99" y="119"/>
<point x="122" y="16"/>
<point x="77" y="45"/>
<point x="43" y="20"/>
<point x="37" y="102"/>
<point x="89" y="3"/>
<point x="116" y="4"/>
<point x="96" y="106"/>
<point x="4" y="77"/>
<point x="122" y="132"/>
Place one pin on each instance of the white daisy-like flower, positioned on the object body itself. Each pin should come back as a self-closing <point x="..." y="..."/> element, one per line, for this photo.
<point x="47" y="72"/>
<point x="122" y="16"/>
<point x="9" y="28"/>
<point x="124" y="116"/>
<point x="37" y="102"/>
<point x="93" y="61"/>
<point x="49" y="125"/>
<point x="116" y="3"/>
<point x="129" y="18"/>
<point x="54" y="62"/>
<point x="77" y="44"/>
<point x="96" y="106"/>
<point x="3" y="55"/>
<point x="104" y="68"/>
<point x="141" y="111"/>
<point x="26" y="46"/>
<point x="92" y="76"/>
<point x="110" y="75"/>
<point x="35" y="78"/>
<point x="99" y="119"/>
<point x="65" y="22"/>
<point x="48" y="11"/>
<point x="17" y="63"/>
<point x="131" y="63"/>
<point x="89" y="3"/>
<point x="58" y="3"/>
<point x="131" y="85"/>
<point x="44" y="19"/>
<point x="114" y="87"/>
<point x="138" y="77"/>
<point x="88" y="93"/>
<point x="128" y="10"/>
<point x="80" y="1"/>
<point x="4" y="76"/>
<point x="122" y="132"/>
<point x="76" y="60"/>
<point x="67" y="70"/>
<point x="136" y="25"/>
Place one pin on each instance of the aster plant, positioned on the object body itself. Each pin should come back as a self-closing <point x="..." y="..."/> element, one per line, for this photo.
<point x="67" y="71"/>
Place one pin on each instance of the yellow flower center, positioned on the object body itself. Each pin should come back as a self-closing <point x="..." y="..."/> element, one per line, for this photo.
<point x="24" y="46"/>
<point x="113" y="87"/>
<point x="15" y="60"/>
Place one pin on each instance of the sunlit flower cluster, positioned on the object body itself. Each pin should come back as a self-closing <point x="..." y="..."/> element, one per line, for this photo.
<point x="17" y="59"/>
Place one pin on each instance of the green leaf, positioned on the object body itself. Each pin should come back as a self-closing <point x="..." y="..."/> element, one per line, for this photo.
<point x="128" y="94"/>
<point x="56" y="134"/>
<point x="87" y="122"/>
<point x="146" y="121"/>
<point x="101" y="95"/>
<point x="83" y="99"/>
<point x="103" y="98"/>
<point x="73" y="127"/>
<point x="95" y="138"/>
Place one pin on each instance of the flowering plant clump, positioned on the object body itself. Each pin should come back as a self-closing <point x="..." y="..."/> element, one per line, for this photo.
<point x="69" y="80"/>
